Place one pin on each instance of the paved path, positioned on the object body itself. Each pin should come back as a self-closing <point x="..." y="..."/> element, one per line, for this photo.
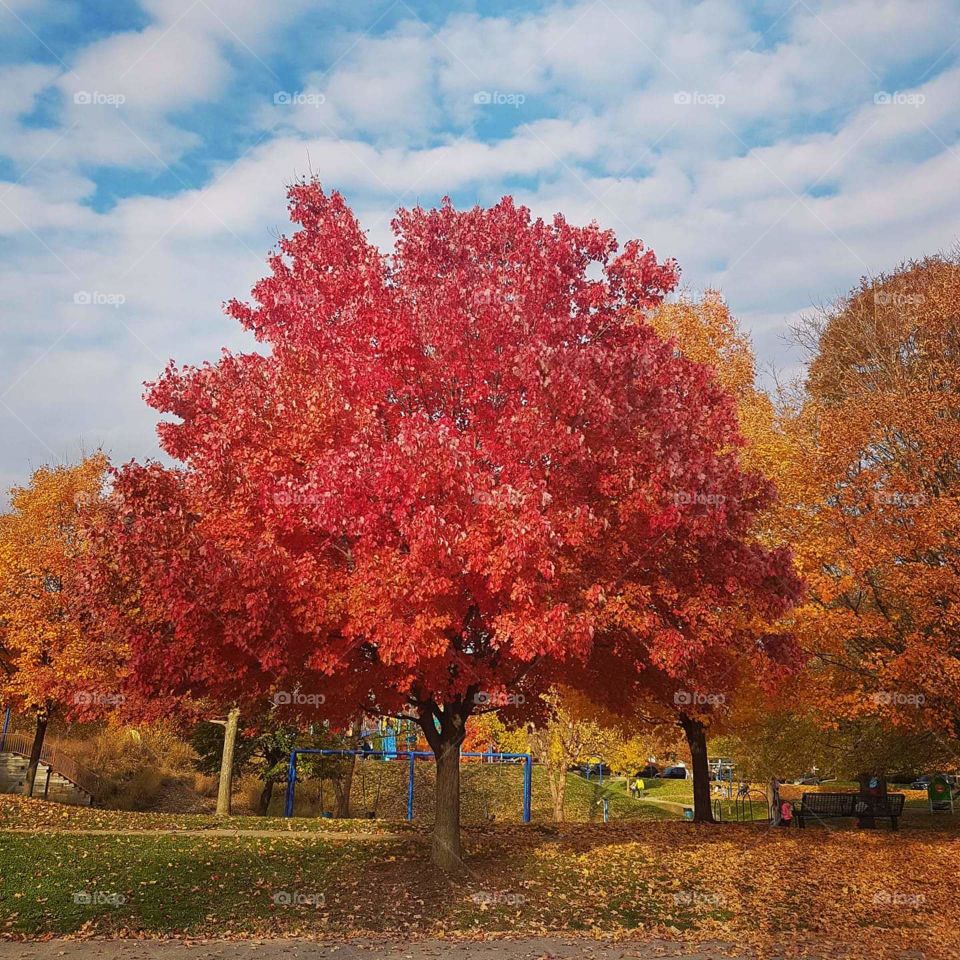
<point x="538" y="948"/>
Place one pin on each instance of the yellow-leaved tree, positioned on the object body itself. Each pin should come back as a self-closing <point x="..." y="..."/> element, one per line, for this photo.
<point x="48" y="662"/>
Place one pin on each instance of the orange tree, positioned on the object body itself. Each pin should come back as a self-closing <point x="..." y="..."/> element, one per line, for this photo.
<point x="872" y="481"/>
<point x="49" y="662"/>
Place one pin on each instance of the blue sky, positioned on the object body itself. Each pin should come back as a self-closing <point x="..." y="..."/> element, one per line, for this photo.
<point x="780" y="151"/>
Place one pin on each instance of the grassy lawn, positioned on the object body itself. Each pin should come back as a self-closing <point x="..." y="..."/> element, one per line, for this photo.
<point x="651" y="878"/>
<point x="646" y="873"/>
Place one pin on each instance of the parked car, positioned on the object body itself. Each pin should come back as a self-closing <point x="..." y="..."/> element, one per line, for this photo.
<point x="675" y="773"/>
<point x="650" y="771"/>
<point x="921" y="783"/>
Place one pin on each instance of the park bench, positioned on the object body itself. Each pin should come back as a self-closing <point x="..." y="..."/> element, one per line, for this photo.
<point x="824" y="806"/>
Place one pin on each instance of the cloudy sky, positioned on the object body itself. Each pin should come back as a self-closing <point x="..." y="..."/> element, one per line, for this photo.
<point x="779" y="150"/>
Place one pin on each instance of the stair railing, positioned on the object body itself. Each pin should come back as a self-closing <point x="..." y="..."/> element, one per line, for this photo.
<point x="53" y="757"/>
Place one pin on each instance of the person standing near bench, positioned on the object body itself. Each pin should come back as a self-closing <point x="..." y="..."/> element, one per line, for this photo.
<point x="773" y="801"/>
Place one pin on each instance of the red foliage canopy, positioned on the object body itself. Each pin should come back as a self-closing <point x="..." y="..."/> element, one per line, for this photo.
<point x="456" y="468"/>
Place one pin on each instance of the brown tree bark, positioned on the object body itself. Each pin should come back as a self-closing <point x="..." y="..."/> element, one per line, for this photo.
<point x="446" y="851"/>
<point x="341" y="789"/>
<point x="35" y="750"/>
<point x="558" y="790"/>
<point x="696" y="735"/>
<point x="266" y="795"/>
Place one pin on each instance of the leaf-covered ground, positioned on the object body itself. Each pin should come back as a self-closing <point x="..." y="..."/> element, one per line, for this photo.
<point x="744" y="884"/>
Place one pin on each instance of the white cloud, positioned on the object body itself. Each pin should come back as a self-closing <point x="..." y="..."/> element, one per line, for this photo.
<point x="783" y="194"/>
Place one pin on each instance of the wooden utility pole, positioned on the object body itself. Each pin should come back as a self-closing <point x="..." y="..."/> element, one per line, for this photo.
<point x="226" y="762"/>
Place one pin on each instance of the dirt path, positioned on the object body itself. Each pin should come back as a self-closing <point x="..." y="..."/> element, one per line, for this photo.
<point x="536" y="948"/>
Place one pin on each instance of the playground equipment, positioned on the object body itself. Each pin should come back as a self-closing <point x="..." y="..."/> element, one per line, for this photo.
<point x="389" y="736"/>
<point x="743" y="804"/>
<point x="594" y="766"/>
<point x="411" y="756"/>
<point x="721" y="772"/>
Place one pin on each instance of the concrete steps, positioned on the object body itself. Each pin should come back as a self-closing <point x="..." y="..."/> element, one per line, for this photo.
<point x="48" y="785"/>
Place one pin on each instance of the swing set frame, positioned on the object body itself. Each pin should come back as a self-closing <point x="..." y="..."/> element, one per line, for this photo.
<point x="411" y="756"/>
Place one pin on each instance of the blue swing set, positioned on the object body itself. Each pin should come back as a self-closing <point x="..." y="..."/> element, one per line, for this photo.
<point x="411" y="757"/>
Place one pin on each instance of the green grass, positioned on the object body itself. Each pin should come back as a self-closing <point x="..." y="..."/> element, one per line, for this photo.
<point x="170" y="882"/>
<point x="648" y="878"/>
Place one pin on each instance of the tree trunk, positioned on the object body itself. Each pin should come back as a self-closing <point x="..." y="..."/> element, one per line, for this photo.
<point x="225" y="790"/>
<point x="266" y="795"/>
<point x="341" y="789"/>
<point x="697" y="741"/>
<point x="35" y="751"/>
<point x="446" y="851"/>
<point x="558" y="789"/>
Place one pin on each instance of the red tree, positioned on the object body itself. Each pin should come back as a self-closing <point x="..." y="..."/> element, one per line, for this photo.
<point x="425" y="496"/>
